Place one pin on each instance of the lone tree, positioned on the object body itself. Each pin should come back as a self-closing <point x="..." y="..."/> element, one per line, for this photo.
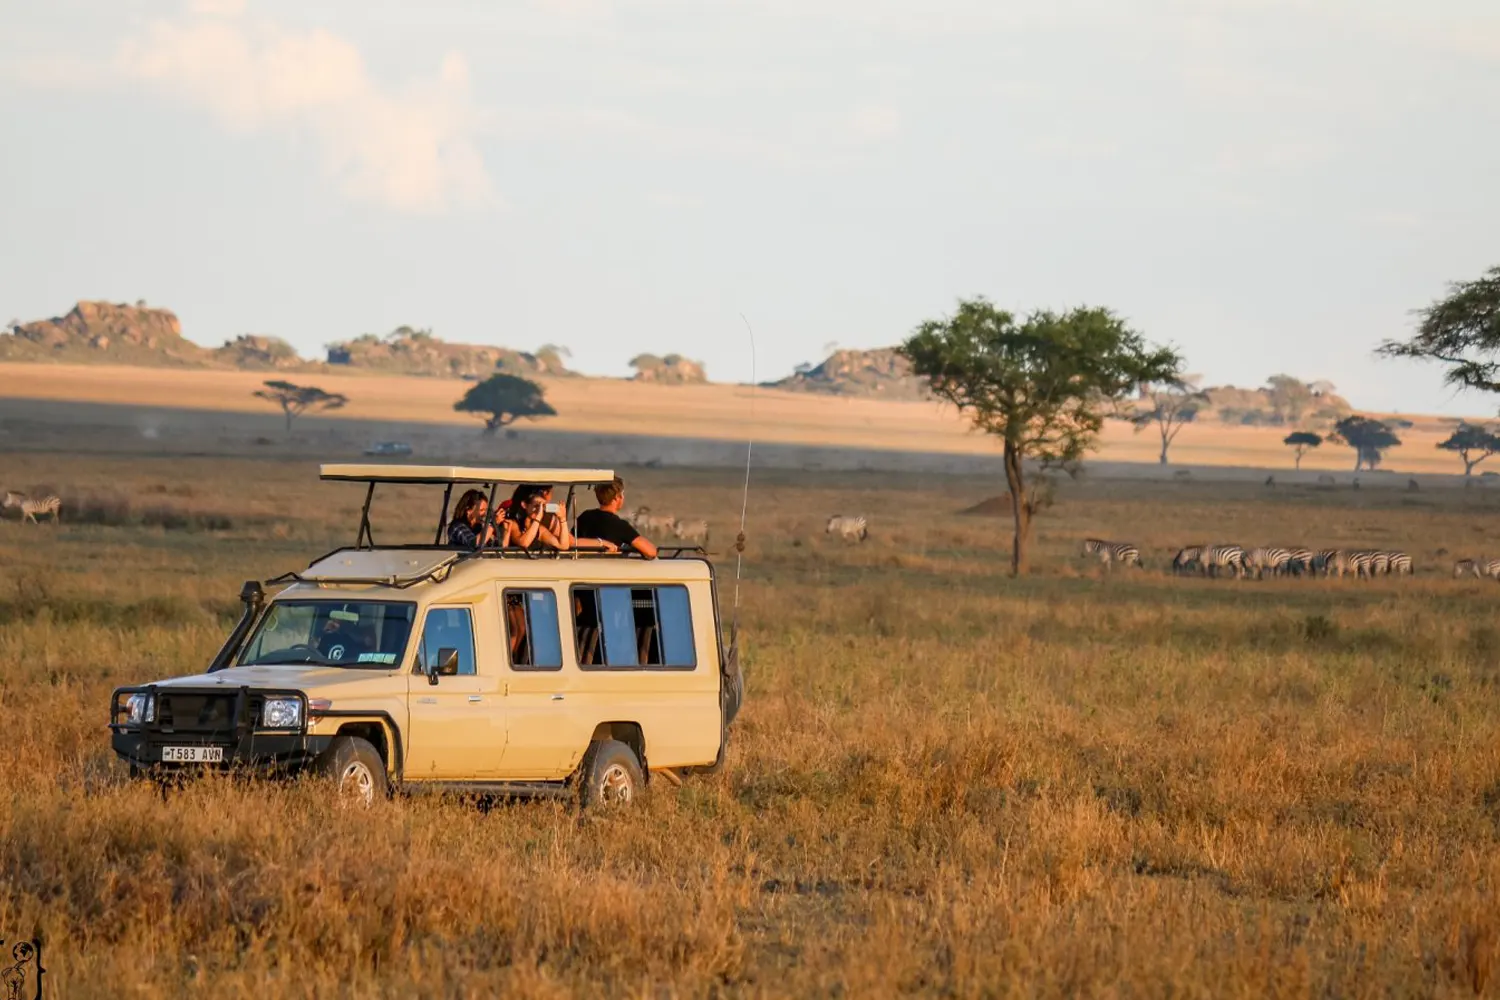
<point x="296" y="400"/>
<point x="1368" y="437"/>
<point x="1172" y="405"/>
<point x="503" y="399"/>
<point x="1302" y="441"/>
<point x="1461" y="331"/>
<point x="1042" y="384"/>
<point x="1472" y="440"/>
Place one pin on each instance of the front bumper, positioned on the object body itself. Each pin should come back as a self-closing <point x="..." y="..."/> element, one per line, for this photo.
<point x="221" y="717"/>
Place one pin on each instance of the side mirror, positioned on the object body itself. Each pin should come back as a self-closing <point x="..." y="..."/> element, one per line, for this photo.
<point x="447" y="662"/>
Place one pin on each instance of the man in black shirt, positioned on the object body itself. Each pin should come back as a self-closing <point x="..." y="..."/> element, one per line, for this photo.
<point x="606" y="522"/>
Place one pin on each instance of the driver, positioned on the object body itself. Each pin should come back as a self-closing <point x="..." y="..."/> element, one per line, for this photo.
<point x="341" y="641"/>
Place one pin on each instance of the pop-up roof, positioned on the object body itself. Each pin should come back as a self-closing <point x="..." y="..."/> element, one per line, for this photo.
<point x="440" y="474"/>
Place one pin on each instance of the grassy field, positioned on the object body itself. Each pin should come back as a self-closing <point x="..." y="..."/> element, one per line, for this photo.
<point x="944" y="783"/>
<point x="709" y="412"/>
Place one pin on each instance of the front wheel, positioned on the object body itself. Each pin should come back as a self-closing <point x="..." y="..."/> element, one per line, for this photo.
<point x="610" y="775"/>
<point x="355" y="768"/>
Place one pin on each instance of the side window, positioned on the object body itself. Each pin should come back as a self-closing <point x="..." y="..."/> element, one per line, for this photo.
<point x="623" y="628"/>
<point x="532" y="630"/>
<point x="448" y="628"/>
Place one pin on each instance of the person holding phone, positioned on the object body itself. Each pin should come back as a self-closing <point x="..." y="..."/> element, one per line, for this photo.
<point x="532" y="522"/>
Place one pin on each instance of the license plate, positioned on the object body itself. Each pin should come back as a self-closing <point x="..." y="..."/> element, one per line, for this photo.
<point x="192" y="755"/>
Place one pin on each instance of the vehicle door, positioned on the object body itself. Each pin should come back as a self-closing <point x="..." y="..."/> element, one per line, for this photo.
<point x="456" y="727"/>
<point x="546" y="731"/>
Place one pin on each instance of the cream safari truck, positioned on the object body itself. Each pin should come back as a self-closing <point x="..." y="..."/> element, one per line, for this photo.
<point x="422" y="667"/>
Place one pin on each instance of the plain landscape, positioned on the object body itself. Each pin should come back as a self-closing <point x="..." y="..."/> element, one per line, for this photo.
<point x="945" y="782"/>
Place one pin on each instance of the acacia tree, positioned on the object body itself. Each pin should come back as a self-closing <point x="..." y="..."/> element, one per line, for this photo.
<point x="1461" y="331"/>
<point x="1173" y="405"/>
<point x="295" y="400"/>
<point x="1471" y="439"/>
<point x="1042" y="384"/>
<point x="1302" y="441"/>
<point x="1368" y="437"/>
<point x="1290" y="398"/>
<point x="503" y="399"/>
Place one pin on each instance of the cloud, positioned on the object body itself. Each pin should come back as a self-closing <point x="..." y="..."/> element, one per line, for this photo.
<point x="412" y="149"/>
<point x="875" y="122"/>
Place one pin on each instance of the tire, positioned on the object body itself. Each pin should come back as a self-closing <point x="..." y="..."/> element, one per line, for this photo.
<point x="355" y="768"/>
<point x="610" y="775"/>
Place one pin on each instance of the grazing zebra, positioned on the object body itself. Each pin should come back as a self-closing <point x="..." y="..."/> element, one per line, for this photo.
<point x="652" y="524"/>
<point x="1465" y="567"/>
<point x="1263" y="559"/>
<point x="1299" y="561"/>
<point x="30" y="508"/>
<point x="1221" y="557"/>
<point x="1189" y="560"/>
<point x="1331" y="562"/>
<point x="695" y="531"/>
<point x="1110" y="553"/>
<point x="850" y="528"/>
<point x="1400" y="564"/>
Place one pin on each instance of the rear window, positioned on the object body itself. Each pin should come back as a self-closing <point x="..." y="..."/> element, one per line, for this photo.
<point x="531" y="629"/>
<point x="633" y="628"/>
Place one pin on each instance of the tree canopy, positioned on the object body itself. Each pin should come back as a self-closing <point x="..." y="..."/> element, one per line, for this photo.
<point x="295" y="400"/>
<point x="1170" y="406"/>
<point x="1302" y="442"/>
<point x="1461" y="331"/>
<point x="1043" y="384"/>
<point x="503" y="399"/>
<point x="1290" y="398"/>
<point x="1473" y="443"/>
<point x="1368" y="437"/>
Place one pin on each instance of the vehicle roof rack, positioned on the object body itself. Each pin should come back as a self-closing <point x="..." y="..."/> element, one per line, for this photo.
<point x="438" y="475"/>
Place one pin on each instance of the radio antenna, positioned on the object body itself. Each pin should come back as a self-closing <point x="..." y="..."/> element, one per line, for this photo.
<point x="739" y="541"/>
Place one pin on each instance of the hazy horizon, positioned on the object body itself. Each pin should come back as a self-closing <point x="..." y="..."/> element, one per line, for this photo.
<point x="1270" y="185"/>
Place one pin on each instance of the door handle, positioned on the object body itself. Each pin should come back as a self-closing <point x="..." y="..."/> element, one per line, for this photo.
<point x="474" y="697"/>
<point x="557" y="697"/>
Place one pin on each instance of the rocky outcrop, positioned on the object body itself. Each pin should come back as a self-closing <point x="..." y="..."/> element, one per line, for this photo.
<point x="106" y="331"/>
<point x="259" y="353"/>
<point x="674" y="369"/>
<point x="880" y="372"/>
<point x="417" y="352"/>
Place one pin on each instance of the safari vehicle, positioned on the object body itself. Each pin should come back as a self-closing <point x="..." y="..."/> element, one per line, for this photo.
<point x="423" y="667"/>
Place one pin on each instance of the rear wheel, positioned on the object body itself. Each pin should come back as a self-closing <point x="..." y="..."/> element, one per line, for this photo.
<point x="355" y="768"/>
<point x="610" y="775"/>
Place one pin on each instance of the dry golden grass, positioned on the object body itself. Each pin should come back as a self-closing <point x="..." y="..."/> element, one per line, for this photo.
<point x="944" y="782"/>
<point x="712" y="412"/>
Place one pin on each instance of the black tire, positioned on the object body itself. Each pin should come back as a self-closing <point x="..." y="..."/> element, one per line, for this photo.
<point x="610" y="775"/>
<point x="355" y="768"/>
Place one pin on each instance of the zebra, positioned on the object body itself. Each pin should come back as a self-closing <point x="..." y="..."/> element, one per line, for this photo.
<point x="1366" y="564"/>
<point x="1267" y="558"/>
<point x="1466" y="567"/>
<point x="1400" y="564"/>
<point x="1110" y="553"/>
<point x="1331" y="562"/>
<point x="30" y="508"/>
<point x="848" y="527"/>
<point x="653" y="524"/>
<point x="695" y="531"/>
<point x="1299" y="561"/>
<point x="1189" y="559"/>
<point x="1220" y="557"/>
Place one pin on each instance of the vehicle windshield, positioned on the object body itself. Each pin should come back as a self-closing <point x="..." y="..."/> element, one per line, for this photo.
<point x="363" y="634"/>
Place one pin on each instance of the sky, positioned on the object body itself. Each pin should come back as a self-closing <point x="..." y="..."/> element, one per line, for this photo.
<point x="1269" y="185"/>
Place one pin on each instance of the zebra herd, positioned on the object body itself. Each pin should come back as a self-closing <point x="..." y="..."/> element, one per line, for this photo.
<point x="30" y="507"/>
<point x="694" y="530"/>
<point x="1274" y="560"/>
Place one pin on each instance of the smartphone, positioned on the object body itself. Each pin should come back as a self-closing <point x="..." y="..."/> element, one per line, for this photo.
<point x="553" y="508"/>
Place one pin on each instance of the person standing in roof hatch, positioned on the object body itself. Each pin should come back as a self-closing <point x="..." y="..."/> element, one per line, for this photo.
<point x="606" y="524"/>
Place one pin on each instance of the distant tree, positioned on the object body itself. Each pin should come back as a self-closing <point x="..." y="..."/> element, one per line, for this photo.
<point x="803" y="368"/>
<point x="1042" y="384"/>
<point x="1368" y="437"/>
<point x="501" y="400"/>
<point x="1471" y="440"/>
<point x="1170" y="406"/>
<point x="1290" y="398"/>
<point x="296" y="400"/>
<point x="1302" y="441"/>
<point x="1461" y="331"/>
<point x="1322" y="387"/>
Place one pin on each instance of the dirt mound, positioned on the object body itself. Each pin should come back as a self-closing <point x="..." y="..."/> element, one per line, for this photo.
<point x="674" y="369"/>
<point x="417" y="352"/>
<point x="880" y="372"/>
<point x="107" y="332"/>
<point x="999" y="506"/>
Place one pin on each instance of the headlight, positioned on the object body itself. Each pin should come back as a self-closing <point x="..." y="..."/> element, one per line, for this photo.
<point x="281" y="713"/>
<point x="140" y="708"/>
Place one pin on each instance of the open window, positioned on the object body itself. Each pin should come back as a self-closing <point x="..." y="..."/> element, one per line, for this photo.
<point x="532" y="631"/>
<point x="634" y="628"/>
